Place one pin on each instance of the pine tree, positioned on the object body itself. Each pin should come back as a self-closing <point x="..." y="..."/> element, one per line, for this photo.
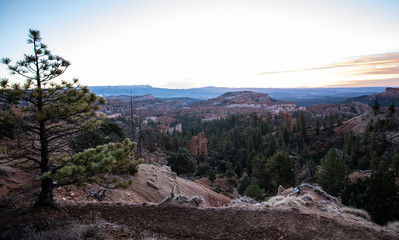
<point x="395" y="164"/>
<point x="238" y="169"/>
<point x="374" y="161"/>
<point x="229" y="173"/>
<point x="254" y="191"/>
<point x="376" y="106"/>
<point x="317" y="126"/>
<point x="86" y="166"/>
<point x="375" y="194"/>
<point x="392" y="108"/>
<point x="259" y="171"/>
<point x="53" y="113"/>
<point x="182" y="161"/>
<point x="281" y="169"/>
<point x="332" y="175"/>
<point x="211" y="176"/>
<point x="244" y="183"/>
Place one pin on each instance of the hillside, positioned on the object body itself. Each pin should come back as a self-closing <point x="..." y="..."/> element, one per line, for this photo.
<point x="352" y="108"/>
<point x="385" y="98"/>
<point x="152" y="184"/>
<point x="358" y="124"/>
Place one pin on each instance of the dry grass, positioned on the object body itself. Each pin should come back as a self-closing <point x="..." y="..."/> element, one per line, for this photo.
<point x="69" y="230"/>
<point x="282" y="201"/>
<point x="394" y="226"/>
<point x="356" y="212"/>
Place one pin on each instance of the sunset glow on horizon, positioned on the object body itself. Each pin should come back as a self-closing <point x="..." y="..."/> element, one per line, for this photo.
<point x="222" y="43"/>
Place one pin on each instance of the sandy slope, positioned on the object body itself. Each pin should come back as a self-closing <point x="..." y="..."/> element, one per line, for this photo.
<point x="358" y="124"/>
<point x="152" y="184"/>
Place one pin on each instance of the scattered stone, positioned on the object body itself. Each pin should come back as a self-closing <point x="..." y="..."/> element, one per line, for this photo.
<point x="243" y="200"/>
<point x="182" y="199"/>
<point x="150" y="184"/>
<point x="307" y="198"/>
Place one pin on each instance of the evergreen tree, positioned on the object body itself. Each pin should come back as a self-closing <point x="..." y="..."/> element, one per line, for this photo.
<point x="229" y="171"/>
<point x="302" y="124"/>
<point x="271" y="145"/>
<point x="53" y="113"/>
<point x="376" y="106"/>
<point x="364" y="163"/>
<point x="97" y="165"/>
<point x="332" y="175"/>
<point x="382" y="195"/>
<point x="259" y="171"/>
<point x="317" y="126"/>
<point x="253" y="191"/>
<point x="238" y="169"/>
<point x="374" y="161"/>
<point x="182" y="161"/>
<point x="211" y="176"/>
<point x="395" y="164"/>
<point x="244" y="183"/>
<point x="392" y="108"/>
<point x="281" y="169"/>
<point x="91" y="138"/>
<point x="376" y="194"/>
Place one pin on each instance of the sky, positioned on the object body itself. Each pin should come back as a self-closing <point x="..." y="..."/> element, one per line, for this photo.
<point x="222" y="43"/>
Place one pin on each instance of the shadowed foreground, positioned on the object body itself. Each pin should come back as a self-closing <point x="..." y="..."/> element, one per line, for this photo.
<point x="178" y="222"/>
<point x="184" y="222"/>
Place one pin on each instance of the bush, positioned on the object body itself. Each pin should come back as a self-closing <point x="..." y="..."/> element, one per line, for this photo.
<point x="4" y="171"/>
<point x="356" y="212"/>
<point x="394" y="226"/>
<point x="57" y="230"/>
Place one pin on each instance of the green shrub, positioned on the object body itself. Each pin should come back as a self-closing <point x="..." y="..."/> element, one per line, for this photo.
<point x="254" y="191"/>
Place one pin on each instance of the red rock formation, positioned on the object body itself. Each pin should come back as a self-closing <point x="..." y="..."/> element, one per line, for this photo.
<point x="198" y="145"/>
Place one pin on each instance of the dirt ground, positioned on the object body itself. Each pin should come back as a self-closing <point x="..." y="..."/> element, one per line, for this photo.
<point x="143" y="221"/>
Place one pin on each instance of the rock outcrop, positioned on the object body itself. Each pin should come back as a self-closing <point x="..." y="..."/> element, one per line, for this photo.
<point x="198" y="145"/>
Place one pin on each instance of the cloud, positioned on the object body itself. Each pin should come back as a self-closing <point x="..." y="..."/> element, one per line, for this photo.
<point x="181" y="84"/>
<point x="386" y="63"/>
<point x="393" y="82"/>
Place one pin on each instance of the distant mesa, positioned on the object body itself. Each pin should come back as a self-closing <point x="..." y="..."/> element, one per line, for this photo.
<point x="239" y="99"/>
<point x="299" y="96"/>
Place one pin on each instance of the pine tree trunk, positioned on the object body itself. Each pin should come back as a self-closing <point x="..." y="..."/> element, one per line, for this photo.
<point x="46" y="194"/>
